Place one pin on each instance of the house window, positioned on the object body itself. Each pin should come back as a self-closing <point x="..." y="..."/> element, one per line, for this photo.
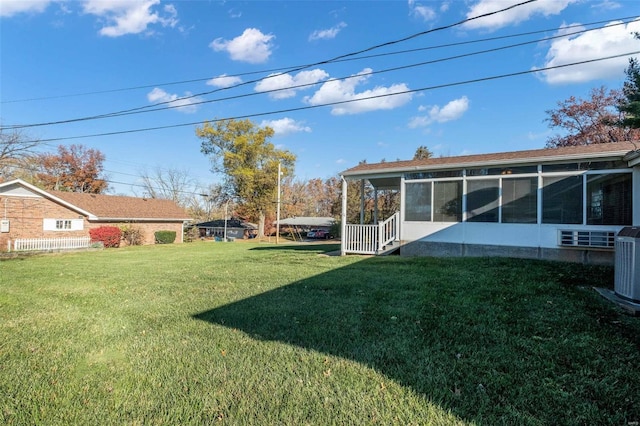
<point x="447" y="201"/>
<point x="63" y="224"/>
<point x="519" y="200"/>
<point x="494" y="171"/>
<point x="483" y="200"/>
<point x="418" y="201"/>
<point x="562" y="199"/>
<point x="609" y="199"/>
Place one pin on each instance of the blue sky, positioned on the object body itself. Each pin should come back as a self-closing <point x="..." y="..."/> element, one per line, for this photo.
<point x="273" y="61"/>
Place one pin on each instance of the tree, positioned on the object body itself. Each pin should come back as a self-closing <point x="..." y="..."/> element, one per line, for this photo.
<point x="590" y="121"/>
<point x="242" y="152"/>
<point x="630" y="105"/>
<point x="73" y="169"/>
<point x="16" y="152"/>
<point x="422" y="153"/>
<point x="169" y="184"/>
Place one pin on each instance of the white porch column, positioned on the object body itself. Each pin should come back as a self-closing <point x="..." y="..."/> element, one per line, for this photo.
<point x="343" y="217"/>
<point x="375" y="206"/>
<point x="361" y="201"/>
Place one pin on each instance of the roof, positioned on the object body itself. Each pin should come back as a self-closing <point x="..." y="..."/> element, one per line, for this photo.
<point x="108" y="207"/>
<point x="120" y="207"/>
<point x="573" y="153"/>
<point x="307" y="221"/>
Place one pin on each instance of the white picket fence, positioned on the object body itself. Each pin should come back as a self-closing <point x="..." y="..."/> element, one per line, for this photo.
<point x="47" y="244"/>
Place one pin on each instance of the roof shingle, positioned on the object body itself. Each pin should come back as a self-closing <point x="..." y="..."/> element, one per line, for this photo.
<point x="120" y="207"/>
<point x="550" y="154"/>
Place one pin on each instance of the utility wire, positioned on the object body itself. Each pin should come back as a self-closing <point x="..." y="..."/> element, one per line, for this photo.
<point x="301" y="86"/>
<point x="423" y="89"/>
<point x="627" y="19"/>
<point x="302" y="67"/>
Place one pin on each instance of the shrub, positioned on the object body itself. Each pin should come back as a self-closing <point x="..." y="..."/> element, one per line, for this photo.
<point x="133" y="235"/>
<point x="165" y="237"/>
<point x="191" y="234"/>
<point x="109" y="236"/>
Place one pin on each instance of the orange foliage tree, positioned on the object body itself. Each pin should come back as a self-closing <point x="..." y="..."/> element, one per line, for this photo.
<point x="73" y="169"/>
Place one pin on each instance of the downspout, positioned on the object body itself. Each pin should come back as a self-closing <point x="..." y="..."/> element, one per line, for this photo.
<point x="343" y="217"/>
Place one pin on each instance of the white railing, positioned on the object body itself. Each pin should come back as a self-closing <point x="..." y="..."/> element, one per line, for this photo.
<point x="45" y="244"/>
<point x="371" y="239"/>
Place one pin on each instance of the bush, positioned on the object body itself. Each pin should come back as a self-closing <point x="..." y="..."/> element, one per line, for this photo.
<point x="133" y="235"/>
<point x="336" y="230"/>
<point x="109" y="236"/>
<point x="165" y="237"/>
<point x="191" y="234"/>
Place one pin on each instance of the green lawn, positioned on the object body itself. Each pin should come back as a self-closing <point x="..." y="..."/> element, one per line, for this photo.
<point x="250" y="333"/>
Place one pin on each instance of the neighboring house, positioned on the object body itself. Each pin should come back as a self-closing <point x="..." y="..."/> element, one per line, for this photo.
<point x="559" y="204"/>
<point x="28" y="212"/>
<point x="232" y="228"/>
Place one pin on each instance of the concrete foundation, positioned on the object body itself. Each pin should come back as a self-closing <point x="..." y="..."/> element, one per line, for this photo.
<point x="576" y="255"/>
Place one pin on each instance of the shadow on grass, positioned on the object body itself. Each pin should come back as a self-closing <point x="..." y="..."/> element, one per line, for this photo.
<point x="288" y="246"/>
<point x="492" y="340"/>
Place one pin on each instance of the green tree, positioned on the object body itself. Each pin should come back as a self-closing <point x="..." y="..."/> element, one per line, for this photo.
<point x="242" y="152"/>
<point x="630" y="105"/>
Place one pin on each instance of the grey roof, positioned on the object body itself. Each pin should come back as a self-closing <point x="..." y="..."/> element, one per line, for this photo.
<point x="307" y="221"/>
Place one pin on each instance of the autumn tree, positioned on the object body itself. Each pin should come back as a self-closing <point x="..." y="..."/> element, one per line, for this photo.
<point x="590" y="121"/>
<point x="422" y="153"/>
<point x="249" y="162"/>
<point x="630" y="103"/>
<point x="73" y="169"/>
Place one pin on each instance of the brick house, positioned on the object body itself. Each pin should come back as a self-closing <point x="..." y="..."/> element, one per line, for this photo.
<point x="30" y="212"/>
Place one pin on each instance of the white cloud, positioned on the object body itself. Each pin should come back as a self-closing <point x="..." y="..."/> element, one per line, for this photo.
<point x="328" y="33"/>
<point x="607" y="41"/>
<point x="13" y="7"/>
<point x="224" y="81"/>
<point x="450" y="112"/>
<point x="378" y="98"/>
<point x="252" y="46"/>
<point x="183" y="104"/>
<point x="130" y="17"/>
<point x="512" y="16"/>
<point x="282" y="86"/>
<point x="286" y="126"/>
<point x="423" y="12"/>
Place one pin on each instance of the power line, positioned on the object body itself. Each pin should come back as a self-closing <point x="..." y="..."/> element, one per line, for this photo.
<point x="149" y="108"/>
<point x="423" y="89"/>
<point x="272" y="70"/>
<point x="295" y="69"/>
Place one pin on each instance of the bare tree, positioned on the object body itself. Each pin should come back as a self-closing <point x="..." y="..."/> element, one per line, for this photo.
<point x="171" y="184"/>
<point x="16" y="150"/>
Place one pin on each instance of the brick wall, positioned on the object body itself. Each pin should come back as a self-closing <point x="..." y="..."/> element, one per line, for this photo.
<point x="26" y="216"/>
<point x="148" y="228"/>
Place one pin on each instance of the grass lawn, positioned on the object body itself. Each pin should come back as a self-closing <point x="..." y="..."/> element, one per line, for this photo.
<point x="250" y="333"/>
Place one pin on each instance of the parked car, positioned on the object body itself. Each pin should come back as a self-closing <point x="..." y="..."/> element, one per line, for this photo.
<point x="318" y="234"/>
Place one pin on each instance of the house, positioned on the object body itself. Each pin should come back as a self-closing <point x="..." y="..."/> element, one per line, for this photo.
<point x="559" y="204"/>
<point x="231" y="228"/>
<point x="28" y="212"/>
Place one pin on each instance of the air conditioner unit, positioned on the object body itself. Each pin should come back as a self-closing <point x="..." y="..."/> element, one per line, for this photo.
<point x="627" y="264"/>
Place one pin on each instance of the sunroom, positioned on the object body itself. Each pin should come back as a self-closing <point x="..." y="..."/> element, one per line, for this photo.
<point x="559" y="204"/>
